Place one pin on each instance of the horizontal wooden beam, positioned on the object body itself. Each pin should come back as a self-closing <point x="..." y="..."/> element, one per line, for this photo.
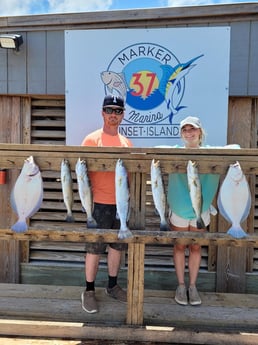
<point x="78" y="330"/>
<point x="132" y="18"/>
<point x="49" y="157"/>
<point x="77" y="233"/>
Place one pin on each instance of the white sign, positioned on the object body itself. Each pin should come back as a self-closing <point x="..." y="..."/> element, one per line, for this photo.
<point x="164" y="74"/>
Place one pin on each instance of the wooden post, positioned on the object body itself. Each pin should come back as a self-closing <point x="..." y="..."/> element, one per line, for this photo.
<point x="135" y="284"/>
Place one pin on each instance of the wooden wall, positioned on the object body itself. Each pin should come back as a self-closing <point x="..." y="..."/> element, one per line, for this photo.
<point x="39" y="67"/>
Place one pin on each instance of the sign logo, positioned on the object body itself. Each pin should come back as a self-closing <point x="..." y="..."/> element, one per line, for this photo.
<point x="152" y="80"/>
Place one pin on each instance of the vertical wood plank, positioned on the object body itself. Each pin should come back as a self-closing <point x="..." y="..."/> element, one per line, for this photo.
<point x="239" y="57"/>
<point x="10" y="132"/>
<point x="55" y="64"/>
<point x="135" y="285"/>
<point x="37" y="64"/>
<point x="17" y="70"/>
<point x="240" y="122"/>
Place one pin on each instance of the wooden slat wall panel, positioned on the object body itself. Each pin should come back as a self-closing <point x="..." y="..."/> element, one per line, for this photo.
<point x="10" y="132"/>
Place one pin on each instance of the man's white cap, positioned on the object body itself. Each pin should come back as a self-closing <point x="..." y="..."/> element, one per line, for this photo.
<point x="191" y="120"/>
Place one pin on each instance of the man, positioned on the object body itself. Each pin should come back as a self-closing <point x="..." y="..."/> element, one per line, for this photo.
<point x="103" y="189"/>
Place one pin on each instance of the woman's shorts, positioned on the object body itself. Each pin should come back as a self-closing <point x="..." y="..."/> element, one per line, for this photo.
<point x="184" y="223"/>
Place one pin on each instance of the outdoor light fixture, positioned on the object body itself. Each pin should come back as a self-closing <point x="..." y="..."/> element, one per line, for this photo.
<point x="11" y="41"/>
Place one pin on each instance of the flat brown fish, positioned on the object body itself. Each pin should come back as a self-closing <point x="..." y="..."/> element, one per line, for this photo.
<point x="234" y="200"/>
<point x="27" y="194"/>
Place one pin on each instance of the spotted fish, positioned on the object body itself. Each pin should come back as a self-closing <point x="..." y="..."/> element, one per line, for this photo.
<point x="122" y="199"/>
<point x="195" y="191"/>
<point x="84" y="190"/>
<point x="158" y="194"/>
<point x="67" y="188"/>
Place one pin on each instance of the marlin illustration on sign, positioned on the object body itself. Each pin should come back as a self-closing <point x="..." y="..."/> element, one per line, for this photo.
<point x="171" y="80"/>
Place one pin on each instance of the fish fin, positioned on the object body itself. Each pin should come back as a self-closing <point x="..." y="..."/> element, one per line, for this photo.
<point x="213" y="210"/>
<point x="200" y="223"/>
<point x="221" y="210"/>
<point x="164" y="226"/>
<point x="247" y="209"/>
<point x="123" y="234"/>
<point x="236" y="232"/>
<point x="69" y="218"/>
<point x="13" y="203"/>
<point x="20" y="226"/>
<point x="91" y="223"/>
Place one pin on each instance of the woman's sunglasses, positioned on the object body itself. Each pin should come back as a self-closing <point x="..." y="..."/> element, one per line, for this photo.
<point x="116" y="111"/>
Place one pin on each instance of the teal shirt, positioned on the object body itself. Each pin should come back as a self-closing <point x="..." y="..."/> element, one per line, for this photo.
<point x="179" y="197"/>
<point x="178" y="192"/>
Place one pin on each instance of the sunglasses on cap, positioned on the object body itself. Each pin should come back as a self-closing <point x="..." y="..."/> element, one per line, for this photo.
<point x="116" y="111"/>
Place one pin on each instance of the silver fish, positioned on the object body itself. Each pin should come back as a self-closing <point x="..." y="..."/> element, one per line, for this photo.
<point x="84" y="190"/>
<point x="195" y="191"/>
<point x="122" y="199"/>
<point x="67" y="188"/>
<point x="158" y="194"/>
<point x="234" y="200"/>
<point x="27" y="194"/>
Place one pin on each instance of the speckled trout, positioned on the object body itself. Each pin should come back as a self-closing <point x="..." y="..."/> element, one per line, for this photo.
<point x="67" y="188"/>
<point x="122" y="199"/>
<point x="27" y="194"/>
<point x="195" y="191"/>
<point x="158" y="194"/>
<point x="234" y="200"/>
<point x="84" y="190"/>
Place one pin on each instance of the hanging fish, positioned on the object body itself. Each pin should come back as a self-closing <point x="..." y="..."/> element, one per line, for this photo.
<point x="158" y="194"/>
<point x="234" y="200"/>
<point x="195" y="191"/>
<point x="27" y="194"/>
<point x="67" y="188"/>
<point x="84" y="190"/>
<point x="122" y="199"/>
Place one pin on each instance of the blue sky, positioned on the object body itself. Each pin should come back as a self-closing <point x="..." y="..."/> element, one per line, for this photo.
<point x="27" y="7"/>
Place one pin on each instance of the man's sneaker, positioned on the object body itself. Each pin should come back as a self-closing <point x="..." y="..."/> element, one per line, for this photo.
<point x="181" y="295"/>
<point x="194" y="297"/>
<point x="118" y="293"/>
<point x="89" y="303"/>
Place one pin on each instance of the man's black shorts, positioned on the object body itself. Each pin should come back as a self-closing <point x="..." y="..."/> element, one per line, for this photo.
<point x="105" y="216"/>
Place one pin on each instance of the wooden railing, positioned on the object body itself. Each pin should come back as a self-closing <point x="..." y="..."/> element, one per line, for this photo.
<point x="137" y="162"/>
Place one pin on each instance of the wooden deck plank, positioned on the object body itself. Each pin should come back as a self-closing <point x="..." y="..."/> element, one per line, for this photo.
<point x="219" y="311"/>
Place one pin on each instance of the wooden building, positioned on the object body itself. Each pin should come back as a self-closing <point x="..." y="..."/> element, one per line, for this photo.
<point x="32" y="111"/>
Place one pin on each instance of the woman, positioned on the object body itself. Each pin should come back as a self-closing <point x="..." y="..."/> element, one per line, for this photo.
<point x="183" y="218"/>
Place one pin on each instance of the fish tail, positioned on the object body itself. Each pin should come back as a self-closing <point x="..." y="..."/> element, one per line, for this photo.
<point x="69" y="218"/>
<point x="236" y="232"/>
<point x="164" y="226"/>
<point x="91" y="223"/>
<point x="20" y="226"/>
<point x="200" y="223"/>
<point x="123" y="234"/>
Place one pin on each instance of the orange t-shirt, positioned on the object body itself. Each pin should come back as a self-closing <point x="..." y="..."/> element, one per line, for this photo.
<point x="103" y="182"/>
